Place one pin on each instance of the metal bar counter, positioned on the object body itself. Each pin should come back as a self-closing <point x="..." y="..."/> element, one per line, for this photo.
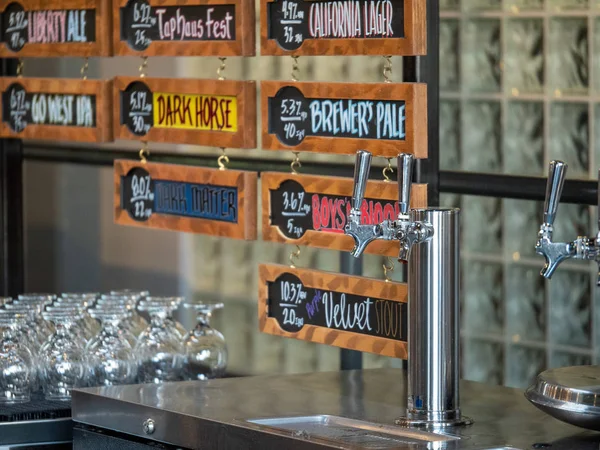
<point x="342" y="410"/>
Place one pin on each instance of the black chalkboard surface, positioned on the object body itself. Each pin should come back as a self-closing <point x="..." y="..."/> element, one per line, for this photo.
<point x="295" y="211"/>
<point x="142" y="23"/>
<point x="51" y="26"/>
<point x="136" y="108"/>
<point x="22" y="108"/>
<point x="293" y="117"/>
<point x="137" y="194"/>
<point x="295" y="305"/>
<point x="291" y="22"/>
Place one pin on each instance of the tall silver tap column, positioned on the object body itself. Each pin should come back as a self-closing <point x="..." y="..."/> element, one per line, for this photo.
<point x="433" y="322"/>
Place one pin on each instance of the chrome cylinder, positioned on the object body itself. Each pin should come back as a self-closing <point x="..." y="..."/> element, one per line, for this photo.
<point x="433" y="321"/>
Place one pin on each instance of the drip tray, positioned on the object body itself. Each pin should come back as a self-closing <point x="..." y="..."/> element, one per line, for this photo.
<point x="348" y="431"/>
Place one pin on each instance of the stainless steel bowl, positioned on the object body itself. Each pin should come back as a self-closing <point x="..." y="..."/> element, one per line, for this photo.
<point x="570" y="394"/>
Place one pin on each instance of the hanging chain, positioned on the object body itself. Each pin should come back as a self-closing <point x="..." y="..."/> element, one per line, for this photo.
<point x="294" y="256"/>
<point x="387" y="171"/>
<point x="295" y="68"/>
<point x="20" y="67"/>
<point x="388" y="267"/>
<point x="296" y="164"/>
<point x="223" y="160"/>
<point x="144" y="153"/>
<point x="387" y="69"/>
<point x="221" y="69"/>
<point x="84" y="68"/>
<point x="143" y="67"/>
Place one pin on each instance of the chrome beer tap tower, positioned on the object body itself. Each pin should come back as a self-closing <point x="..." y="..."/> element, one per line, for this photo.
<point x="586" y="248"/>
<point x="429" y="240"/>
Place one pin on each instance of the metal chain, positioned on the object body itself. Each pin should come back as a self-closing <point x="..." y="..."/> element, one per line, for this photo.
<point x="20" y="67"/>
<point x="221" y="69"/>
<point x="388" y="267"/>
<point x="143" y="67"/>
<point x="84" y="68"/>
<point x="296" y="164"/>
<point x="144" y="153"/>
<point x="294" y="256"/>
<point x="387" y="68"/>
<point x="387" y="171"/>
<point x="295" y="68"/>
<point x="223" y="160"/>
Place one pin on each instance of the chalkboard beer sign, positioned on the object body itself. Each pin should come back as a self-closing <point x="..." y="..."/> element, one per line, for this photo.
<point x="351" y="312"/>
<point x="57" y="109"/>
<point x="343" y="27"/>
<point x="383" y="118"/>
<point x="184" y="198"/>
<point x="200" y="112"/>
<point x="313" y="210"/>
<point x="184" y="27"/>
<point x="55" y="28"/>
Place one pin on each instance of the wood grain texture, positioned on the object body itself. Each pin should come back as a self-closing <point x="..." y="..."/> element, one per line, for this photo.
<point x="244" y="91"/>
<point x="333" y="186"/>
<point x="102" y="132"/>
<point x="101" y="47"/>
<point x="414" y="94"/>
<point x="339" y="283"/>
<point x="413" y="43"/>
<point x="245" y="182"/>
<point x="244" y="44"/>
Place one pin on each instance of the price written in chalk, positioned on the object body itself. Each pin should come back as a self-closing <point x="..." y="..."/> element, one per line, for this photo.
<point x="137" y="194"/>
<point x="137" y="109"/>
<point x="294" y="304"/>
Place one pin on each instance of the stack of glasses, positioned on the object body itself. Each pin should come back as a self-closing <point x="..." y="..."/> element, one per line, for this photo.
<point x="54" y="344"/>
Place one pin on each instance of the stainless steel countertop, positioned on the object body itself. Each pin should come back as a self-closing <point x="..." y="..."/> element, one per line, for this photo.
<point x="209" y="414"/>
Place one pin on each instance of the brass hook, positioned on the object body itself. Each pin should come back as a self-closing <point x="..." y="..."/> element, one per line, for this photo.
<point x="387" y="68"/>
<point x="143" y="67"/>
<point x="144" y="153"/>
<point x="20" y="67"/>
<point x="293" y="256"/>
<point x="223" y="160"/>
<point x="221" y="69"/>
<point x="387" y="171"/>
<point x="388" y="267"/>
<point x="295" y="68"/>
<point x="296" y="164"/>
<point x="84" y="68"/>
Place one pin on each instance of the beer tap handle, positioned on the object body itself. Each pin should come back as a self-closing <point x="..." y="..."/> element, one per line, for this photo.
<point x="361" y="175"/>
<point x="405" y="171"/>
<point x="554" y="187"/>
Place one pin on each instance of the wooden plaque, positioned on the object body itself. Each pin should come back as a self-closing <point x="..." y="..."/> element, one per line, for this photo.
<point x="186" y="198"/>
<point x="383" y="118"/>
<point x="351" y="312"/>
<point x="220" y="113"/>
<point x="184" y="27"/>
<point x="313" y="210"/>
<point x="347" y="27"/>
<point x="55" y="28"/>
<point x="56" y="109"/>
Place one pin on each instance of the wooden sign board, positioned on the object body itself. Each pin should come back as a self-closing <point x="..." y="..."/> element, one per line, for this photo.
<point x="351" y="312"/>
<point x="56" y="109"/>
<point x="220" y="113"/>
<point x="383" y="118"/>
<point x="313" y="210"/>
<point x="346" y="27"/>
<point x="55" y="28"/>
<point x="185" y="198"/>
<point x="184" y="27"/>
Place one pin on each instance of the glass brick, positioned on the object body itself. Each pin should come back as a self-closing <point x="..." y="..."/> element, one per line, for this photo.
<point x="569" y="136"/>
<point x="475" y="212"/>
<point x="565" y="359"/>
<point x="524" y="364"/>
<point x="524" y="59"/>
<point x="525" y="304"/>
<point x="450" y="135"/>
<point x="482" y="309"/>
<point x="523" y="139"/>
<point x="570" y="308"/>
<point x="481" y="55"/>
<point x="481" y="137"/>
<point x="483" y="361"/>
<point x="520" y="219"/>
<point x="568" y="66"/>
<point x="449" y="50"/>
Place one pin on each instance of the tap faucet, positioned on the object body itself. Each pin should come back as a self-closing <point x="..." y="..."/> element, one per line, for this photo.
<point x="429" y="241"/>
<point x="586" y="248"/>
<point x="403" y="229"/>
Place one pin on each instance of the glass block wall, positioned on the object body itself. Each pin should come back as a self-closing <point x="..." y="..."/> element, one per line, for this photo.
<point x="520" y="85"/>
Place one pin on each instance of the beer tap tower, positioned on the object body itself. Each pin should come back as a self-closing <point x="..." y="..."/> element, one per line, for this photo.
<point x="429" y="241"/>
